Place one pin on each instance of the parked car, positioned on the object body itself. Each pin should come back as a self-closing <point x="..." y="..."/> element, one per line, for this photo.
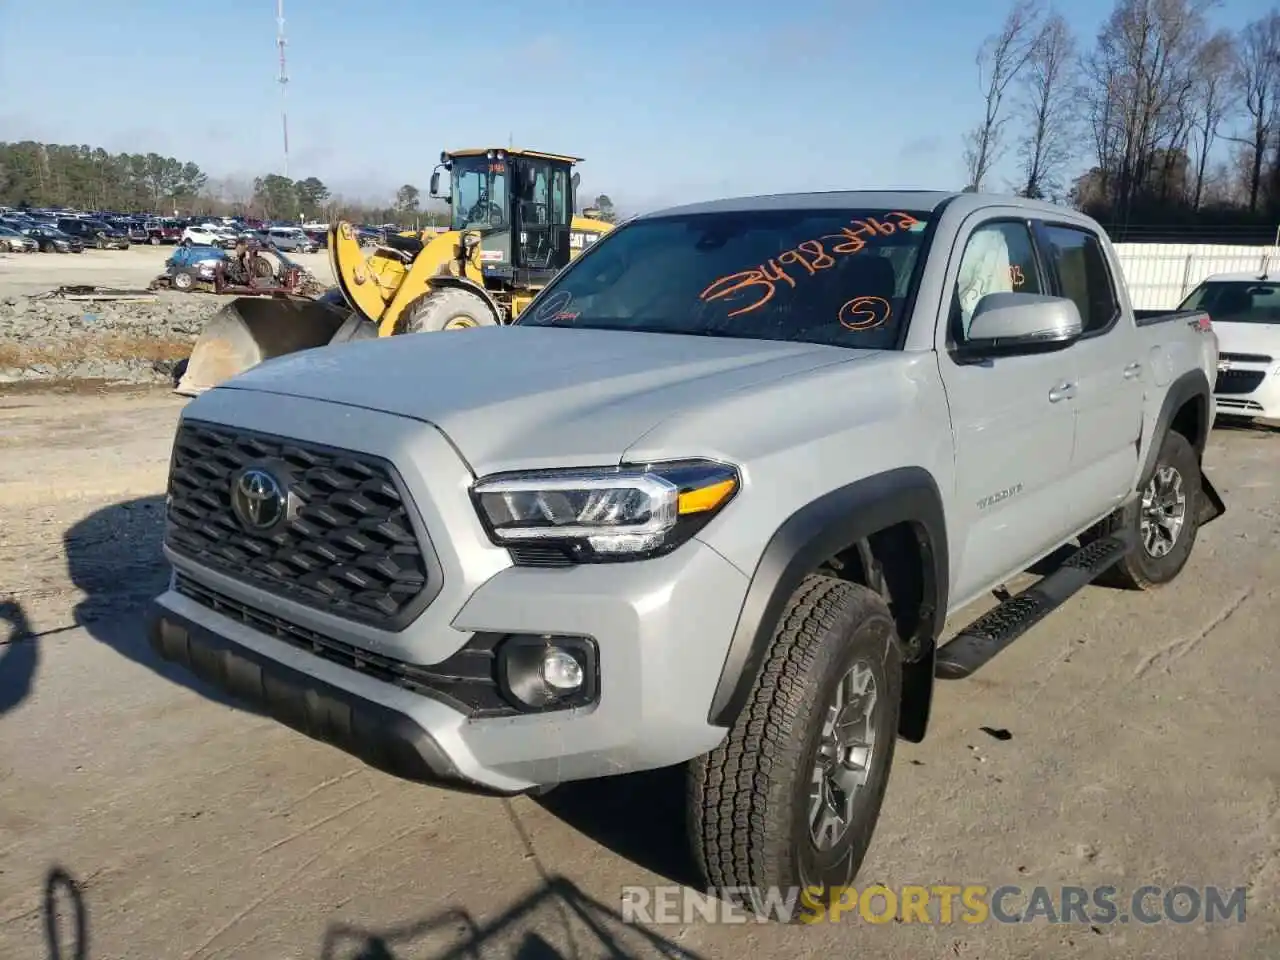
<point x="52" y="240"/>
<point x="291" y="239"/>
<point x="160" y="232"/>
<point x="11" y="241"/>
<point x="208" y="235"/>
<point x="723" y="529"/>
<point x="1246" y="317"/>
<point x="94" y="233"/>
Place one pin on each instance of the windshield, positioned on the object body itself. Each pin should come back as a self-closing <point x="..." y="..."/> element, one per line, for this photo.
<point x="838" y="277"/>
<point x="1236" y="301"/>
<point x="479" y="193"/>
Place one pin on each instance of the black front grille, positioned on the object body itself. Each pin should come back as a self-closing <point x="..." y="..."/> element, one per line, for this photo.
<point x="1245" y="357"/>
<point x="350" y="548"/>
<point x="1238" y="381"/>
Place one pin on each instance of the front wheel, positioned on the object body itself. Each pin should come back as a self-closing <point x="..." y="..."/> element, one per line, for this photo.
<point x="790" y="799"/>
<point x="447" y="309"/>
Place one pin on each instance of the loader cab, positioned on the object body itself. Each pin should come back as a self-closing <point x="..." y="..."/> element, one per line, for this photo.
<point x="520" y="201"/>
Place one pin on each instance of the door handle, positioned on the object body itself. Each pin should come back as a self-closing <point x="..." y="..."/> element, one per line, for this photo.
<point x="1064" y="391"/>
<point x="1132" y="370"/>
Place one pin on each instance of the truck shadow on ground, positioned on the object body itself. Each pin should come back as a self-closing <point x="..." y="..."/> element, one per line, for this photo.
<point x="114" y="557"/>
<point x="19" y="655"/>
<point x="556" y="910"/>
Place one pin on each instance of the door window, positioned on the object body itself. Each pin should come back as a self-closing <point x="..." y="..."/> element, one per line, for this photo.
<point x="1082" y="271"/>
<point x="998" y="258"/>
<point x="559" y="197"/>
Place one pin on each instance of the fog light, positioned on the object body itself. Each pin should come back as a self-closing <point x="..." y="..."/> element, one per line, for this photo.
<point x="561" y="671"/>
<point x="547" y="672"/>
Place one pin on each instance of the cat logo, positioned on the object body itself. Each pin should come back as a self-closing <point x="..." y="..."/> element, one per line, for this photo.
<point x="579" y="240"/>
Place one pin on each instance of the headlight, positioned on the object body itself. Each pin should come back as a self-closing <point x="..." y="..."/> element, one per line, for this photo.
<point x="605" y="514"/>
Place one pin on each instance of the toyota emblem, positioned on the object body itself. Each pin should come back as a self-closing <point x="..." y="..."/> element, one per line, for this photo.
<point x="258" y="500"/>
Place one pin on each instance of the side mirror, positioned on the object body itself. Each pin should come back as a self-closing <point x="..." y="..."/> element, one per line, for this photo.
<point x="435" y="183"/>
<point x="577" y="179"/>
<point x="1012" y="324"/>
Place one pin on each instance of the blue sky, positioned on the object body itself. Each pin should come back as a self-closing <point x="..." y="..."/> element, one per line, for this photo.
<point x="668" y="100"/>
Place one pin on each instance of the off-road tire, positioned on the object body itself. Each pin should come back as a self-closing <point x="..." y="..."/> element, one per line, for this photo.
<point x="183" y="281"/>
<point x="435" y="311"/>
<point x="1138" y="569"/>
<point x="748" y="803"/>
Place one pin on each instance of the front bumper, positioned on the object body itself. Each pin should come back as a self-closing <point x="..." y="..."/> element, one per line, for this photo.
<point x="378" y="735"/>
<point x="1251" y="390"/>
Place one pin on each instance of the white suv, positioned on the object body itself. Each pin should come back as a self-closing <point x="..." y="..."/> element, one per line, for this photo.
<point x="208" y="235"/>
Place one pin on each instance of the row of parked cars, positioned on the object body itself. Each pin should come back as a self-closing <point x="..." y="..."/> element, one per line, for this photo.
<point x="54" y="231"/>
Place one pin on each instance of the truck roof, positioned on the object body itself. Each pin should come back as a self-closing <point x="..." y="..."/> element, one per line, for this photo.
<point x="869" y="199"/>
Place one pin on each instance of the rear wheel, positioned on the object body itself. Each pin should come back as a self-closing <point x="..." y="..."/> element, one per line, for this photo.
<point x="154" y="241"/>
<point x="448" y="309"/>
<point x="1164" y="520"/>
<point x="791" y="797"/>
<point x="183" y="281"/>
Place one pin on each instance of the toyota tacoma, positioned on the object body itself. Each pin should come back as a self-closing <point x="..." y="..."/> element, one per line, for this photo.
<point x="708" y="502"/>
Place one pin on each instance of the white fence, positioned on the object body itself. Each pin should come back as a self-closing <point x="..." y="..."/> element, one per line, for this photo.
<point x="1159" y="275"/>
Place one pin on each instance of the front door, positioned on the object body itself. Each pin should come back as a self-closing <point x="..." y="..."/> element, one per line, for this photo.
<point x="1013" y="421"/>
<point x="538" y="238"/>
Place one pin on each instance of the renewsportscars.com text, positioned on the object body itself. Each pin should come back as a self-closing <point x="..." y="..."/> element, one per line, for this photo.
<point x="937" y="904"/>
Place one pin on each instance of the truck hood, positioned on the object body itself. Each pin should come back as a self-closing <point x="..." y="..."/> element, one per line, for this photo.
<point x="512" y="398"/>
<point x="1259" y="338"/>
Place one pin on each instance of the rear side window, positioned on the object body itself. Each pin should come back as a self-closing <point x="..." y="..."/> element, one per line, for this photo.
<point x="1082" y="270"/>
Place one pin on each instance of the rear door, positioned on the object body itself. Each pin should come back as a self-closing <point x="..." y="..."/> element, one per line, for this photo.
<point x="1110" y="366"/>
<point x="1013" y="417"/>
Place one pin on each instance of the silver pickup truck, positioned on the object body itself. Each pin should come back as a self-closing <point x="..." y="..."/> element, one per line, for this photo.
<point x="709" y="502"/>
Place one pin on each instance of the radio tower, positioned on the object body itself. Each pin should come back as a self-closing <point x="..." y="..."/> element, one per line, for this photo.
<point x="283" y="80"/>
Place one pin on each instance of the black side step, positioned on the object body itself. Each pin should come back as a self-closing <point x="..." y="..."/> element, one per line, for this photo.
<point x="992" y="632"/>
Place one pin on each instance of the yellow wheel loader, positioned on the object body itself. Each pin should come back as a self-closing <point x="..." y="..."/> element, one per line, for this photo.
<point x="511" y="230"/>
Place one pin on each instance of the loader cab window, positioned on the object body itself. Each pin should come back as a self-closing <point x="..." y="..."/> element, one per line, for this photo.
<point x="479" y="193"/>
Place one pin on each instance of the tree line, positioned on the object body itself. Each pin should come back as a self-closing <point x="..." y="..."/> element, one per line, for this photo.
<point x="1174" y="121"/>
<point x="89" y="178"/>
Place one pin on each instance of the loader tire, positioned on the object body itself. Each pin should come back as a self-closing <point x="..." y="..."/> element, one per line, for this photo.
<point x="448" y="309"/>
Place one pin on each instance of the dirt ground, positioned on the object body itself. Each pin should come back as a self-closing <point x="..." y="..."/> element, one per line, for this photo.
<point x="31" y="273"/>
<point x="1129" y="740"/>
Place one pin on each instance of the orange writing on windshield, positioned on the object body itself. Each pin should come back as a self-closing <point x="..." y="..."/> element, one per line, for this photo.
<point x="865" y="313"/>
<point x="806" y="259"/>
<point x="1016" y="276"/>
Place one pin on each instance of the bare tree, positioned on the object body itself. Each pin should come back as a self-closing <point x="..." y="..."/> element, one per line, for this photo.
<point x="1211" y="96"/>
<point x="1257" y="77"/>
<point x="1000" y="60"/>
<point x="1046" y="108"/>
<point x="1139" y="84"/>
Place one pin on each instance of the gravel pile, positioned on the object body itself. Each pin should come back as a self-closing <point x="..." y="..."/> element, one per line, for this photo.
<point x="119" y="341"/>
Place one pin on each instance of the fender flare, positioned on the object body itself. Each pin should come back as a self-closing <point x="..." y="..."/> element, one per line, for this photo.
<point x="1189" y="386"/>
<point x="813" y="534"/>
<point x="447" y="282"/>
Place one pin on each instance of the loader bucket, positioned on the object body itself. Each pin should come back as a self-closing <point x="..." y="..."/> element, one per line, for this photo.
<point x="249" y="330"/>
